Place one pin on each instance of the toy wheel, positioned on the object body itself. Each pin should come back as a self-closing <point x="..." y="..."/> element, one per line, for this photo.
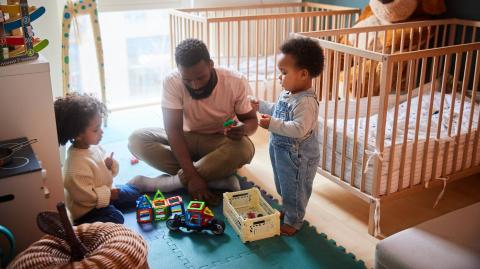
<point x="172" y="225"/>
<point x="218" y="227"/>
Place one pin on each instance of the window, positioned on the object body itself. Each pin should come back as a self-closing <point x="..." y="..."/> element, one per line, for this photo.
<point x="136" y="48"/>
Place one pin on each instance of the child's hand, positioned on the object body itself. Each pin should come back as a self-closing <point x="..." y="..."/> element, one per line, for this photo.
<point x="109" y="161"/>
<point x="114" y="194"/>
<point x="253" y="102"/>
<point x="264" y="121"/>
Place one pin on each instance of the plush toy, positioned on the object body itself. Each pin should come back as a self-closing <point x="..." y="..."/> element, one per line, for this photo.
<point x="386" y="12"/>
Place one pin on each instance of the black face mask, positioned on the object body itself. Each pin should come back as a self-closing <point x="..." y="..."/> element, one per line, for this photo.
<point x="206" y="90"/>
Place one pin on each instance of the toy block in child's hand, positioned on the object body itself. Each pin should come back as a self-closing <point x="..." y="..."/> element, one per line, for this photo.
<point x="229" y="123"/>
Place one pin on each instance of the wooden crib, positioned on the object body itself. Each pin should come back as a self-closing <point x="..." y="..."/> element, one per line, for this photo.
<point x="247" y="38"/>
<point x="421" y="129"/>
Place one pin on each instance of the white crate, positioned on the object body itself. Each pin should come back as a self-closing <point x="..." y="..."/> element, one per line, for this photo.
<point x="236" y="206"/>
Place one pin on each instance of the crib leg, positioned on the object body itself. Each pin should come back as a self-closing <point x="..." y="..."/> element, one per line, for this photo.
<point x="371" y="220"/>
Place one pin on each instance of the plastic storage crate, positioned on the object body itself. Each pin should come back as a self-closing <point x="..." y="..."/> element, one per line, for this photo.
<point x="250" y="215"/>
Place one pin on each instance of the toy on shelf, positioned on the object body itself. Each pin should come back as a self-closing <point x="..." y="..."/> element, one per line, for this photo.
<point x="161" y="210"/>
<point x="251" y="217"/>
<point x="144" y="209"/>
<point x="197" y="217"/>
<point x="17" y="41"/>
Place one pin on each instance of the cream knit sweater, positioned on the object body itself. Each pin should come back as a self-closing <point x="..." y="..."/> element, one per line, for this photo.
<point x="87" y="180"/>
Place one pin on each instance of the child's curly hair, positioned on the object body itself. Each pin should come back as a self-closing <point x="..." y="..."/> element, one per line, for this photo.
<point x="73" y="114"/>
<point x="307" y="54"/>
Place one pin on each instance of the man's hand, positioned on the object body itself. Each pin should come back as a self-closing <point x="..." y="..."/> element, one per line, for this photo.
<point x="109" y="161"/>
<point x="198" y="190"/>
<point x="236" y="131"/>
<point x="114" y="192"/>
<point x="265" y="121"/>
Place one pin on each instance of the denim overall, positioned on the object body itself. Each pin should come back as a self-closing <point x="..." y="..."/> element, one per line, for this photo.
<point x="294" y="161"/>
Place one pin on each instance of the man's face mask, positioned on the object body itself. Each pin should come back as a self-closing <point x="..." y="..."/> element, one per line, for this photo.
<point x="206" y="90"/>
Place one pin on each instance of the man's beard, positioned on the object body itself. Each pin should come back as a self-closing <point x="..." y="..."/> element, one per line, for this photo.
<point x="206" y="90"/>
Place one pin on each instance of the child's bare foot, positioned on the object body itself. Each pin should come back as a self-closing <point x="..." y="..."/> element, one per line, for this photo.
<point x="287" y="230"/>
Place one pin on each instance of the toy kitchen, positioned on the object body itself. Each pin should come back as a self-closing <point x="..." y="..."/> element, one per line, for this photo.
<point x="23" y="193"/>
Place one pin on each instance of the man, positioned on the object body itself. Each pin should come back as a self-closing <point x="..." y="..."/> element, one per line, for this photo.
<point x="195" y="149"/>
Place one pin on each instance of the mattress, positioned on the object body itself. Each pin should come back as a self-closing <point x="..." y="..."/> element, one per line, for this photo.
<point x="446" y="143"/>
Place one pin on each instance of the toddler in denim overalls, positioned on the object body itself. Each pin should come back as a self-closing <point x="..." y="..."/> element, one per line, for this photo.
<point x="292" y="122"/>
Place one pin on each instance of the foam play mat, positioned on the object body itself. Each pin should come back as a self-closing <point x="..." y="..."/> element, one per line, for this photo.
<point x="184" y="249"/>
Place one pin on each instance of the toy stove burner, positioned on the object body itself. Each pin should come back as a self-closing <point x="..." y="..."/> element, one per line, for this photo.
<point x="16" y="162"/>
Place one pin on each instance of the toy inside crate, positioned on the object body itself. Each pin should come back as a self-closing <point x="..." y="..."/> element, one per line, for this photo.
<point x="250" y="215"/>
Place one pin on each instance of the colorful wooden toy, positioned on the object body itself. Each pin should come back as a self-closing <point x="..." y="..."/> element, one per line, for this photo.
<point x="17" y="48"/>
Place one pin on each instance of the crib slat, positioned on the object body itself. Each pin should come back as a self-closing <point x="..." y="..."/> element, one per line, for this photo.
<point x="228" y="43"/>
<point x="357" y="72"/>
<point x="265" y="52"/>
<point x="440" y="117"/>
<point x="326" y="99"/>
<point x="384" y="45"/>
<point x="385" y="84"/>
<point x="239" y="43"/>
<point x="452" y="110"/>
<point x="257" y="49"/>
<point x="248" y="53"/>
<point x="346" y="84"/>
<point x="275" y="49"/>
<point x="417" y="121"/>
<point x="336" y="68"/>
<point x="394" y="128"/>
<point x="466" y="78"/>
<point x="371" y="81"/>
<point x="172" y="41"/>
<point x="429" y="120"/>
<point x="218" y="43"/>
<point x="476" y="77"/>
<point x="427" y="43"/>
<point x="411" y="71"/>
<point x="470" y="123"/>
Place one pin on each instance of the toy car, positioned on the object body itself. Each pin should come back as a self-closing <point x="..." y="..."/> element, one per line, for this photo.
<point x="197" y="217"/>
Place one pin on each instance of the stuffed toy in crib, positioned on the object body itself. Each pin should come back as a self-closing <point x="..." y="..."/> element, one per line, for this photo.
<point x="386" y="12"/>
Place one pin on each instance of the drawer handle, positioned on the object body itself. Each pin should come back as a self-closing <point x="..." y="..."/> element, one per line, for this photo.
<point x="6" y="198"/>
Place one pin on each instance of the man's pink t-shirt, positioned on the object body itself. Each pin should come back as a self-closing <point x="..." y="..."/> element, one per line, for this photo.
<point x="207" y="115"/>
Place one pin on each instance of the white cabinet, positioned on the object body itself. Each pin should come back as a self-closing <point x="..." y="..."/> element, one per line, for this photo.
<point x="26" y="110"/>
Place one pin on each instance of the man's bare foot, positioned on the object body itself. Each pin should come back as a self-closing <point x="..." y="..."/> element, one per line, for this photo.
<point x="287" y="230"/>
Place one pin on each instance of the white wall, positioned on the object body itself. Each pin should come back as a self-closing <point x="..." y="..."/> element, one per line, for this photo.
<point x="49" y="26"/>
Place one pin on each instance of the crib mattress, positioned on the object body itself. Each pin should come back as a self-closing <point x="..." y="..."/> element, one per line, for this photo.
<point x="444" y="146"/>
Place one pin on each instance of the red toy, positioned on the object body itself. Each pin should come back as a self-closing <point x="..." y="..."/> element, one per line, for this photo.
<point x="133" y="161"/>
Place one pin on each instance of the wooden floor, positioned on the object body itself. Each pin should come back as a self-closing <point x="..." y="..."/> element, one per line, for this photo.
<point x="344" y="217"/>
